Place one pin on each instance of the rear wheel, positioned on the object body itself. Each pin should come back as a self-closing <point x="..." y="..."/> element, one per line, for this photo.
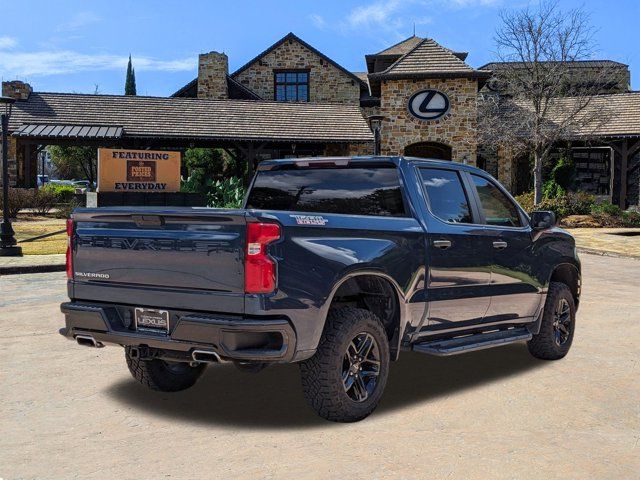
<point x="344" y="380"/>
<point x="164" y="376"/>
<point x="558" y="324"/>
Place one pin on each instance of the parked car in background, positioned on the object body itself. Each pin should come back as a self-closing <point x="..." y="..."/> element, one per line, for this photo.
<point x="337" y="264"/>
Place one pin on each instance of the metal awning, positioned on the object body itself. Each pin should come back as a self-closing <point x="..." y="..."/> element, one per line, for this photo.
<point x="69" y="131"/>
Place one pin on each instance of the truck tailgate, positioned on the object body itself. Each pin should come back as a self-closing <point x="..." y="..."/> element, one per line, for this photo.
<point x="177" y="250"/>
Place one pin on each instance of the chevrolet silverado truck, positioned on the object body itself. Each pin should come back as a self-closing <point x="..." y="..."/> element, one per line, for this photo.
<point x="337" y="264"/>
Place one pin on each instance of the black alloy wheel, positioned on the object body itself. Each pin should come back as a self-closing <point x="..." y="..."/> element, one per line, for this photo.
<point x="361" y="367"/>
<point x="562" y="322"/>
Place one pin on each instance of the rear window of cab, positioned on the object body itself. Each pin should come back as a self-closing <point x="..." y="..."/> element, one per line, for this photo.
<point x="345" y="190"/>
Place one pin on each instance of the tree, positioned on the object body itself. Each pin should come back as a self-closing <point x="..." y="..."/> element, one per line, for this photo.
<point x="75" y="162"/>
<point x="541" y="99"/>
<point x="130" y="82"/>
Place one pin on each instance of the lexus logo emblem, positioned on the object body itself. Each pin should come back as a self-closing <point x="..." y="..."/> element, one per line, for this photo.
<point x="428" y="104"/>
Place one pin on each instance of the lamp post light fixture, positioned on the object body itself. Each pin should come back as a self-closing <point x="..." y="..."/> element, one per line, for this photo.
<point x="8" y="247"/>
<point x="375" y="121"/>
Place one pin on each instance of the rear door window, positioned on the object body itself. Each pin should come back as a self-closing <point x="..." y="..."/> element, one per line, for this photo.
<point x="445" y="193"/>
<point x="498" y="209"/>
<point x="348" y="190"/>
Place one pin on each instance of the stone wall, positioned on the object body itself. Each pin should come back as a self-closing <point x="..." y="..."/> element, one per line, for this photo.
<point x="456" y="129"/>
<point x="327" y="84"/>
<point x="213" y="68"/>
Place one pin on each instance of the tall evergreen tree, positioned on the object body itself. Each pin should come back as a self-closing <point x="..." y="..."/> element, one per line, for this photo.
<point x="130" y="83"/>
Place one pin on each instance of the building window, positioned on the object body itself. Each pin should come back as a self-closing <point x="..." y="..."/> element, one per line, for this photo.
<point x="292" y="86"/>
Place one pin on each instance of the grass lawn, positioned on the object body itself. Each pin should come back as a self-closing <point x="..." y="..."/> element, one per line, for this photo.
<point x="32" y="226"/>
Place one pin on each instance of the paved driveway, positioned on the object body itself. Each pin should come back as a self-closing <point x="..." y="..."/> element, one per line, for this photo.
<point x="68" y="411"/>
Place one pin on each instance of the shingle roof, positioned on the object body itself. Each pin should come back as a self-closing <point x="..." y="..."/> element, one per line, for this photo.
<point x="610" y="115"/>
<point x="623" y="118"/>
<point x="573" y="64"/>
<point x="170" y="117"/>
<point x="402" y="47"/>
<point x="428" y="58"/>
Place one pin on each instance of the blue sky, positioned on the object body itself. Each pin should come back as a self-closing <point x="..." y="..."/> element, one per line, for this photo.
<point x="72" y="46"/>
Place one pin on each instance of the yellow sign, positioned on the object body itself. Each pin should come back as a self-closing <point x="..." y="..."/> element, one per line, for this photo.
<point x="138" y="170"/>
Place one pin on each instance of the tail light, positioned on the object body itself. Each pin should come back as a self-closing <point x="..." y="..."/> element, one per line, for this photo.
<point x="69" y="256"/>
<point x="259" y="268"/>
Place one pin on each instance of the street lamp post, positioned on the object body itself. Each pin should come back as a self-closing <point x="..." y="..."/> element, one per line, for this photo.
<point x="376" y="125"/>
<point x="8" y="247"/>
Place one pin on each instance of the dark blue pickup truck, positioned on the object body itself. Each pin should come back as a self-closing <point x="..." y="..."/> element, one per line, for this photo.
<point x="335" y="263"/>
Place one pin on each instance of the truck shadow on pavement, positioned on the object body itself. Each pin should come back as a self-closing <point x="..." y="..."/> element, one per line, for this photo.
<point x="272" y="399"/>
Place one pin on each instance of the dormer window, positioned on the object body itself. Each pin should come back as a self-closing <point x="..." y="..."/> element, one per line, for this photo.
<point x="291" y="86"/>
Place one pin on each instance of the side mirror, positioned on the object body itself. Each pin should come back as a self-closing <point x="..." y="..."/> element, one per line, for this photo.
<point x="541" y="220"/>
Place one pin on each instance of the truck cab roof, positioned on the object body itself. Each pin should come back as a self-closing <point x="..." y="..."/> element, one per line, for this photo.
<point x="329" y="162"/>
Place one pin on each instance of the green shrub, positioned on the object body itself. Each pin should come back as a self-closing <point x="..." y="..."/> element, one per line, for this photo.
<point x="571" y="203"/>
<point x="526" y="201"/>
<point x="551" y="189"/>
<point x="19" y="199"/>
<point x="631" y="218"/>
<point x="607" y="209"/>
<point x="563" y="173"/>
<point x="227" y="193"/>
<point x="43" y="201"/>
<point x="66" y="209"/>
<point x="63" y="193"/>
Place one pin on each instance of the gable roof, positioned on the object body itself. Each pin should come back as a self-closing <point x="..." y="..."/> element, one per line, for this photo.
<point x="190" y="118"/>
<point x="291" y="36"/>
<point x="430" y="59"/>
<point x="237" y="91"/>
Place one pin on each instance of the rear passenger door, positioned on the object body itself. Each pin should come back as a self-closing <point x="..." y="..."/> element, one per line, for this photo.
<point x="515" y="291"/>
<point x="458" y="253"/>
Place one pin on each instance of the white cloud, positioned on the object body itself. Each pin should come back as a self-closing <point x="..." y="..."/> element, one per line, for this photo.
<point x="22" y="64"/>
<point x="7" y="42"/>
<point x="377" y="13"/>
<point x="78" y="21"/>
<point x="318" y="20"/>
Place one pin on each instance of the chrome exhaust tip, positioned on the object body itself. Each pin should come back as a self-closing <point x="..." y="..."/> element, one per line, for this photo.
<point x="88" y="341"/>
<point x="205" y="356"/>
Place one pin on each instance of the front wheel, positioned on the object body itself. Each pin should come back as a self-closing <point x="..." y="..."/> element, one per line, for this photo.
<point x="558" y="324"/>
<point x="344" y="380"/>
<point x="164" y="376"/>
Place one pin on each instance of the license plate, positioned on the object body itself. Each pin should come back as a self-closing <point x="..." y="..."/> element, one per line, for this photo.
<point x="152" y="320"/>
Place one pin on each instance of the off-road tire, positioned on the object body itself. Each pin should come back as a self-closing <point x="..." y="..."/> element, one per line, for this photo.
<point x="321" y="375"/>
<point x="159" y="375"/>
<point x="543" y="345"/>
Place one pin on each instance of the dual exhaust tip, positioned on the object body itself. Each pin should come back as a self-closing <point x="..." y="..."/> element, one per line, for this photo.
<point x="200" y="356"/>
<point x="88" y="341"/>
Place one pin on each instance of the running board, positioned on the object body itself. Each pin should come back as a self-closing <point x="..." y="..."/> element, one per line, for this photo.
<point x="469" y="343"/>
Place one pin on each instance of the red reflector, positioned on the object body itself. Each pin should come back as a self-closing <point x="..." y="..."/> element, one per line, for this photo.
<point x="69" y="256"/>
<point x="259" y="268"/>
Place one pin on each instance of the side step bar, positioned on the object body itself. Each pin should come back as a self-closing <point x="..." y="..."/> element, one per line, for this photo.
<point x="469" y="343"/>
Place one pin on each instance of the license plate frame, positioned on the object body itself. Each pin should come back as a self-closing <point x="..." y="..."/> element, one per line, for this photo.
<point x="151" y="320"/>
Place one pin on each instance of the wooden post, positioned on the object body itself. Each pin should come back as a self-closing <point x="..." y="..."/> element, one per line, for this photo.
<point x="624" y="161"/>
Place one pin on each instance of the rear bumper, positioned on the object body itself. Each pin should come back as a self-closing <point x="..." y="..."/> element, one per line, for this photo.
<point x="232" y="338"/>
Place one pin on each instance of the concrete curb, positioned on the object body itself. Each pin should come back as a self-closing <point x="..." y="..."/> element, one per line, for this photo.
<point x="602" y="253"/>
<point x="20" y="269"/>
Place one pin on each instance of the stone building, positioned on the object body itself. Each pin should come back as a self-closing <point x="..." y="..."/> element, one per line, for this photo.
<point x="417" y="97"/>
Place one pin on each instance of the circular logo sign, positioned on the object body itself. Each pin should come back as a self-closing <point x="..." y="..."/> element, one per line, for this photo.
<point x="428" y="104"/>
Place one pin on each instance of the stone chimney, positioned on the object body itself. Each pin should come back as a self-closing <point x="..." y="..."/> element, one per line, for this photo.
<point x="213" y="68"/>
<point x="16" y="89"/>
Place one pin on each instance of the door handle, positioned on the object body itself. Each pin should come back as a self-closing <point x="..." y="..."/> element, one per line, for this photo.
<point x="500" y="245"/>
<point x="442" y="244"/>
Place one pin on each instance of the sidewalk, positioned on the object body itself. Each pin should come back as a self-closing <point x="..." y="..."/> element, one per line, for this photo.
<point x="32" y="264"/>
<point x="618" y="242"/>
